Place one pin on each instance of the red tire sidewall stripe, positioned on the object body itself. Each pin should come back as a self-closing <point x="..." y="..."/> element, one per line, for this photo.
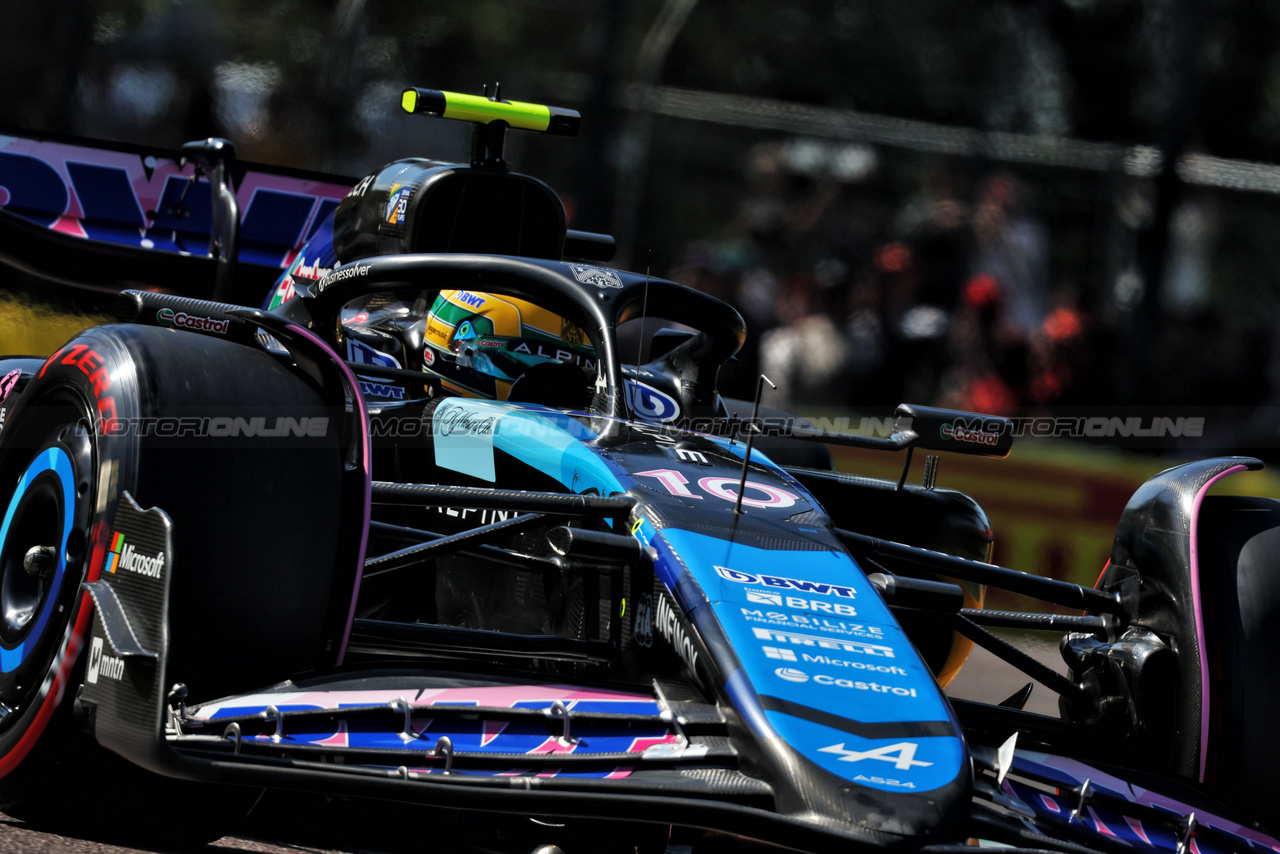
<point x="13" y="758"/>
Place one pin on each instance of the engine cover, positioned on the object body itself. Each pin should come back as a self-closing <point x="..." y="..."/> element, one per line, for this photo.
<point x="417" y="205"/>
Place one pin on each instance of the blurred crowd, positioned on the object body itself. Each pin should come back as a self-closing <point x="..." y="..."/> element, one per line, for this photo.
<point x="947" y="300"/>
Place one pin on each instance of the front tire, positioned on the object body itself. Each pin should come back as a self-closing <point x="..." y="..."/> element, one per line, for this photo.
<point x="44" y="616"/>
<point x="261" y="567"/>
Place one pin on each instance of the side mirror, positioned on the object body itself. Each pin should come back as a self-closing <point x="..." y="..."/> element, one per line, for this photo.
<point x="954" y="430"/>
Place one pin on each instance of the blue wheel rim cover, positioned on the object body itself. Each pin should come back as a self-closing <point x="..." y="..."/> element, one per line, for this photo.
<point x="56" y="461"/>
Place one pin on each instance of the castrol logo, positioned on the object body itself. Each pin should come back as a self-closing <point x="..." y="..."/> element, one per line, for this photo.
<point x="182" y="320"/>
<point x="964" y="434"/>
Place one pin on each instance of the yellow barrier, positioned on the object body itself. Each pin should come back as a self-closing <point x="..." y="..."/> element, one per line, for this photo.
<point x="1053" y="506"/>
<point x="29" y="328"/>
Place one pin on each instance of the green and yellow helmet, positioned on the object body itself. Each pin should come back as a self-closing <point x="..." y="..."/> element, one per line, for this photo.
<point x="481" y="345"/>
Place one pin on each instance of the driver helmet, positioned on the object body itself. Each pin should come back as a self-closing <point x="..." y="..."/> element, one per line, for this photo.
<point x="486" y="346"/>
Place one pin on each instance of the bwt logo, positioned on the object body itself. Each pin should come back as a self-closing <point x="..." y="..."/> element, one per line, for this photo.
<point x="469" y="299"/>
<point x="381" y="390"/>
<point x="783" y="583"/>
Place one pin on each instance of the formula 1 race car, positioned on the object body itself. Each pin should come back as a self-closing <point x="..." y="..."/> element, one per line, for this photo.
<point x="456" y="516"/>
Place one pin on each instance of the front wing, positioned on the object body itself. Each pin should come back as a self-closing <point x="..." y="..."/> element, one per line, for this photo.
<point x="475" y="742"/>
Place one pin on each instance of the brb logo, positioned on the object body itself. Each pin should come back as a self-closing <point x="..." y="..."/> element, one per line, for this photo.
<point x="144" y="200"/>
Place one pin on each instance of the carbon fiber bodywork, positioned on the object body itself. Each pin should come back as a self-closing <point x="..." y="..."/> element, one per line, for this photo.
<point x="623" y="611"/>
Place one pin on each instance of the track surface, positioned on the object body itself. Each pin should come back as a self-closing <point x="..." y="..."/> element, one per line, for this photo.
<point x="285" y="824"/>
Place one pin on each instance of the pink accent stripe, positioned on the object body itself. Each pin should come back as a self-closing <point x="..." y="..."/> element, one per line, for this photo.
<point x="553" y="745"/>
<point x="1097" y="822"/>
<point x="1196" y="606"/>
<point x="500" y="696"/>
<point x="366" y="463"/>
<point x="338" y="739"/>
<point x="69" y="225"/>
<point x="640" y="745"/>
<point x="1136" y="827"/>
<point x="1080" y="771"/>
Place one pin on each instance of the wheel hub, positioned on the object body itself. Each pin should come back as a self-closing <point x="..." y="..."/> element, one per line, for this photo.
<point x="42" y="548"/>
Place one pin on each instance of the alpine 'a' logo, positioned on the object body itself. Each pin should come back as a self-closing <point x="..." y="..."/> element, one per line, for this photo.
<point x="902" y="754"/>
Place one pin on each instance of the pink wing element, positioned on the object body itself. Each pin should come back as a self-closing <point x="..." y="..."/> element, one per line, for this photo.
<point x="338" y="739"/>
<point x="639" y="745"/>
<point x="1136" y="827"/>
<point x="552" y="745"/>
<point x="69" y="225"/>
<point x="1097" y="822"/>
<point x="492" y="729"/>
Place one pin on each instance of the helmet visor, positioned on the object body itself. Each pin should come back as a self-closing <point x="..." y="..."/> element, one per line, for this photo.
<point x="507" y="358"/>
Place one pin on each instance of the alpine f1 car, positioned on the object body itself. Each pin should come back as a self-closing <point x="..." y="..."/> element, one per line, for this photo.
<point x="456" y="516"/>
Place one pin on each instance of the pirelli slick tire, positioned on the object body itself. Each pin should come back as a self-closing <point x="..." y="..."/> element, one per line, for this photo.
<point x="126" y="409"/>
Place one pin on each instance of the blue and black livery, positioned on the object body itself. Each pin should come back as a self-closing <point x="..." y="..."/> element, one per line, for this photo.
<point x="562" y="607"/>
